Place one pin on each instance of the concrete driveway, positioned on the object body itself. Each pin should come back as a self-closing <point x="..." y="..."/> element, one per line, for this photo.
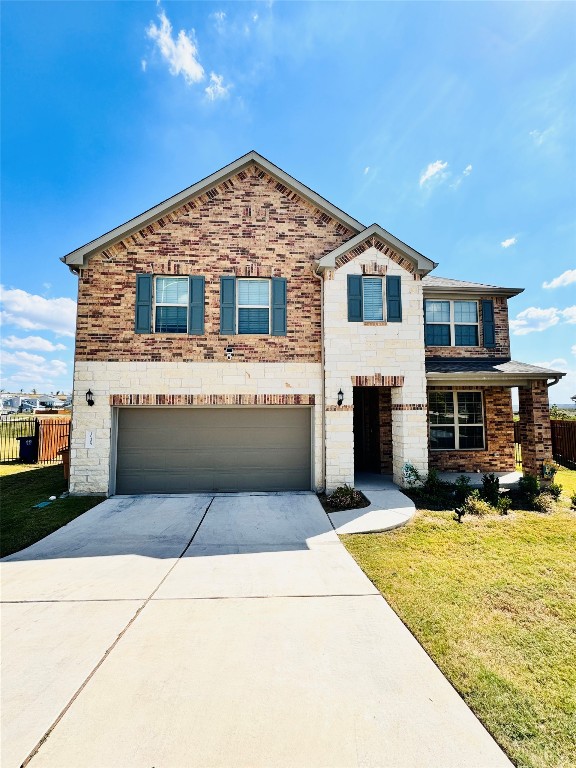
<point x="231" y="630"/>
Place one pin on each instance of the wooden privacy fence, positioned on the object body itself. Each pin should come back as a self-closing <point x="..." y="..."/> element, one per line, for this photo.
<point x="563" y="442"/>
<point x="49" y="436"/>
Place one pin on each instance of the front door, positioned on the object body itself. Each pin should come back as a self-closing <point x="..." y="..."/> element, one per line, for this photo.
<point x="366" y="430"/>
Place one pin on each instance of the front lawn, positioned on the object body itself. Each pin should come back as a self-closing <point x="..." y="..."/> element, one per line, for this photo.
<point x="493" y="601"/>
<point x="21" y="487"/>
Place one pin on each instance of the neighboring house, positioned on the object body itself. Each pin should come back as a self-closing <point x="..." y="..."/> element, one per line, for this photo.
<point x="246" y="334"/>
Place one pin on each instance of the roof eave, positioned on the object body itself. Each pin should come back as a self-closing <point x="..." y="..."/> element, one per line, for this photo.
<point x="493" y="379"/>
<point x="487" y="290"/>
<point x="79" y="256"/>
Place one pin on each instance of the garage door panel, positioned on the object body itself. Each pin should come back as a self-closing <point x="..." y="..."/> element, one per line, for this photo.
<point x="181" y="450"/>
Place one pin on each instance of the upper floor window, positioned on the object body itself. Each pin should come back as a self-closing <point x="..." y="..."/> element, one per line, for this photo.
<point x="451" y="323"/>
<point x="253" y="306"/>
<point x="171" y="305"/>
<point x="374" y="299"/>
<point x="456" y="420"/>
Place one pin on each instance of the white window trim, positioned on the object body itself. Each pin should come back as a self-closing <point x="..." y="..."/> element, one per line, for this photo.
<point x="254" y="306"/>
<point x="453" y="324"/>
<point x="456" y="424"/>
<point x="383" y="284"/>
<point x="167" y="304"/>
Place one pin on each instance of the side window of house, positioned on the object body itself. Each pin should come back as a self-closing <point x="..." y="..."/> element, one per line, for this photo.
<point x="254" y="306"/>
<point x="456" y="420"/>
<point x="373" y="299"/>
<point x="168" y="304"/>
<point x="451" y="323"/>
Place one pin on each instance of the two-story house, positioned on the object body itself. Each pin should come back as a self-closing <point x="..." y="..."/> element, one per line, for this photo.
<point x="246" y="334"/>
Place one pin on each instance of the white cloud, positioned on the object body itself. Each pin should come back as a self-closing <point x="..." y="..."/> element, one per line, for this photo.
<point x="557" y="364"/>
<point x="467" y="171"/>
<point x="22" y="359"/>
<point x="31" y="342"/>
<point x="573" y="350"/>
<point x="435" y="170"/>
<point x="366" y="170"/>
<point x="216" y="89"/>
<point x="143" y="65"/>
<point x="539" y="137"/>
<point x="509" y="242"/>
<point x="534" y="319"/>
<point x="180" y="53"/>
<point x="35" y="313"/>
<point x="569" y="315"/>
<point x="566" y="278"/>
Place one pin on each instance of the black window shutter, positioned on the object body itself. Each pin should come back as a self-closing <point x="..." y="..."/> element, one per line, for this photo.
<point x="143" y="318"/>
<point x="278" y="306"/>
<point x="354" y="298"/>
<point x="488" y="326"/>
<point x="227" y="306"/>
<point x="393" y="299"/>
<point x="196" y="305"/>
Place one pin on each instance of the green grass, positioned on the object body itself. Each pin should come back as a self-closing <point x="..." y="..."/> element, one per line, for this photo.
<point x="22" y="486"/>
<point x="493" y="601"/>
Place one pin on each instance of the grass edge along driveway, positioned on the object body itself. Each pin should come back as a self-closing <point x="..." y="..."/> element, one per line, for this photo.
<point x="24" y="485"/>
<point x="493" y="601"/>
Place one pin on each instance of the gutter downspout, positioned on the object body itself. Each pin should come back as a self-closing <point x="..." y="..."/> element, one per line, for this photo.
<point x="321" y="278"/>
<point x="555" y="380"/>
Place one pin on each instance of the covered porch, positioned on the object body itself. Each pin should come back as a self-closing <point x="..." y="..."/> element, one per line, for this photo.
<point x="462" y="393"/>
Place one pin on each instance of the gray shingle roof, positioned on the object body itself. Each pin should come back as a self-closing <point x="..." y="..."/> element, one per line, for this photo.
<point x="495" y="368"/>
<point x="448" y="284"/>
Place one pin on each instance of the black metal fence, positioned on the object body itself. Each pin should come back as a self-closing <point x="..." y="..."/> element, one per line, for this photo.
<point x="33" y="440"/>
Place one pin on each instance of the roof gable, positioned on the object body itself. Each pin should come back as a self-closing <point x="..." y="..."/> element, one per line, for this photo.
<point x="374" y="235"/>
<point x="79" y="257"/>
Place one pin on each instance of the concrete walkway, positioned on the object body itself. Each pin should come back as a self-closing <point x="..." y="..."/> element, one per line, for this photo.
<point x="213" y="631"/>
<point x="389" y="507"/>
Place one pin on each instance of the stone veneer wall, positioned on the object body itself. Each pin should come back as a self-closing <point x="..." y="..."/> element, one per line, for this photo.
<point x="202" y="384"/>
<point x="535" y="429"/>
<point x="502" y="333"/>
<point x="375" y="351"/>
<point x="498" y="456"/>
<point x="249" y="226"/>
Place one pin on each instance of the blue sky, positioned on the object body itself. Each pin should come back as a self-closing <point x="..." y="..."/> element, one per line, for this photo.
<point x="452" y="125"/>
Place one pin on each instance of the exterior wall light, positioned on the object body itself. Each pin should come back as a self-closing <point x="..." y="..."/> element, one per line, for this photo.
<point x="90" y="397"/>
<point x="229" y="352"/>
<point x="340" y="397"/>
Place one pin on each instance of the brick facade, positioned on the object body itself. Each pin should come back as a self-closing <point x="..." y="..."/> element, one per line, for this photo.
<point x="498" y="456"/>
<point x="501" y="329"/>
<point x="249" y="226"/>
<point x="385" y="416"/>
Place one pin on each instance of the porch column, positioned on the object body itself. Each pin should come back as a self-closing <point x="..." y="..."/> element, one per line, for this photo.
<point x="535" y="432"/>
<point x="409" y="430"/>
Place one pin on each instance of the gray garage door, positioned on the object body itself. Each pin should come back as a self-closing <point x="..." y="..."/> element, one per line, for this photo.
<point x="178" y="450"/>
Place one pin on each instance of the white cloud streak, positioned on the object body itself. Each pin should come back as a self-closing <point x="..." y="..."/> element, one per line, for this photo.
<point x="566" y="278"/>
<point x="180" y="53"/>
<point x="216" y="90"/>
<point x="509" y="242"/>
<point x="31" y="342"/>
<point x="535" y="319"/>
<point x="435" y="170"/>
<point x="35" y="313"/>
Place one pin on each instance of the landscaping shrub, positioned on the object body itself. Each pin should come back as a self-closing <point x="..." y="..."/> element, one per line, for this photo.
<point x="346" y="497"/>
<point x="554" y="490"/>
<point x="462" y="489"/>
<point x="503" y="504"/>
<point x="544" y="502"/>
<point x="528" y="489"/>
<point x="491" y="489"/>
<point x="475" y="505"/>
